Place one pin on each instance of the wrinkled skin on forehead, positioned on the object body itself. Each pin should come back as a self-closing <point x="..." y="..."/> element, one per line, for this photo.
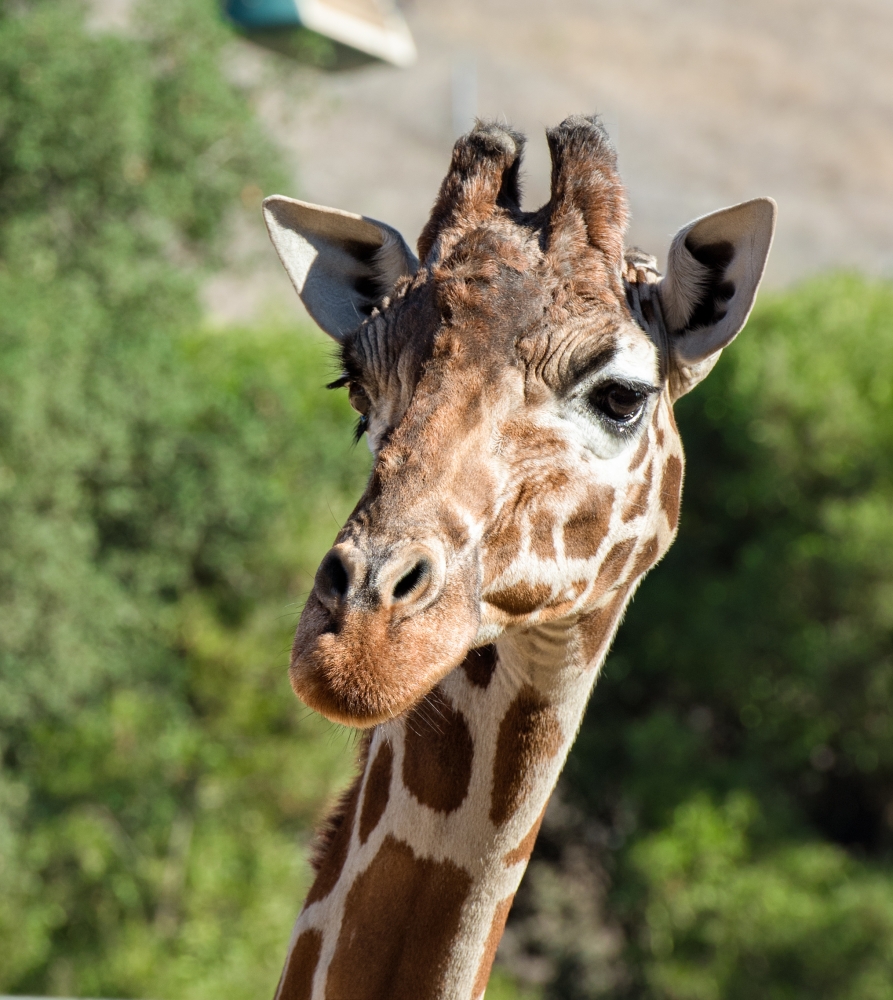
<point x="517" y="393"/>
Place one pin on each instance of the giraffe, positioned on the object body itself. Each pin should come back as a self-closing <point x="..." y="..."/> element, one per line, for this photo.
<point x="516" y="385"/>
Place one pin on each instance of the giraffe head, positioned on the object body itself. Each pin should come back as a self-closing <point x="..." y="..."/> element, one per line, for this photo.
<point x="516" y="386"/>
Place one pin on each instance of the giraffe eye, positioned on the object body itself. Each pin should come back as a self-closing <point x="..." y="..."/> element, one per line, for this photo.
<point x="358" y="398"/>
<point x="618" y="402"/>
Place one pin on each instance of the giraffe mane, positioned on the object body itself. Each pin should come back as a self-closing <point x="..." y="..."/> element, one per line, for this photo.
<point x="329" y="828"/>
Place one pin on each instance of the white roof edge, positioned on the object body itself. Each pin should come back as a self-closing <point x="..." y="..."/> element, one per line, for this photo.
<point x="393" y="43"/>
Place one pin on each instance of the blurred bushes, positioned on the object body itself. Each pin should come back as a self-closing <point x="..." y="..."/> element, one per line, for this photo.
<point x="109" y="204"/>
<point x="734" y="774"/>
<point x="164" y="495"/>
<point x="728" y="918"/>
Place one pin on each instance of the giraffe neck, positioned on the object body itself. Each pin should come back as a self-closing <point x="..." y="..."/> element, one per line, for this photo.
<point x="414" y="889"/>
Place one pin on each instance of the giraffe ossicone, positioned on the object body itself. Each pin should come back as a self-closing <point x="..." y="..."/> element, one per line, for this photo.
<point x="516" y="385"/>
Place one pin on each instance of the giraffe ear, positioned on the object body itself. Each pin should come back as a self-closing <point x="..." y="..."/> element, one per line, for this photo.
<point x="713" y="271"/>
<point x="342" y="265"/>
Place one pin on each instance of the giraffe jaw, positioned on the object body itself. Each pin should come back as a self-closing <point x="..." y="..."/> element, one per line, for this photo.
<point x="369" y="666"/>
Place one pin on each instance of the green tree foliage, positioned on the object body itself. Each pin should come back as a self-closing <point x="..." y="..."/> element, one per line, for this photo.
<point x="729" y="918"/>
<point x="736" y="763"/>
<point x="118" y="158"/>
<point x="164" y="497"/>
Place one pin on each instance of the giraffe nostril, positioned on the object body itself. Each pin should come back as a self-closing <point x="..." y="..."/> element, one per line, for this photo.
<point x="333" y="576"/>
<point x="412" y="579"/>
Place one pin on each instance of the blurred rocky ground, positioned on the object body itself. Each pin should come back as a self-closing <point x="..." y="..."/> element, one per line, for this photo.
<point x="709" y="102"/>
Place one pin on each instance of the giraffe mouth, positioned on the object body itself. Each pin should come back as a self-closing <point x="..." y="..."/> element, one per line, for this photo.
<point x="360" y="666"/>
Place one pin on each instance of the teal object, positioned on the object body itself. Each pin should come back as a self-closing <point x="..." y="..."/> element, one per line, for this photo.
<point x="264" y="13"/>
<point x="372" y="27"/>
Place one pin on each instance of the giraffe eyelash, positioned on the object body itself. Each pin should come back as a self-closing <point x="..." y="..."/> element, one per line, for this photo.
<point x="360" y="428"/>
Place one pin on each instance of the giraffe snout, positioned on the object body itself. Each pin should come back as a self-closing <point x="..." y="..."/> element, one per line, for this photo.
<point x="405" y="579"/>
<point x="381" y="627"/>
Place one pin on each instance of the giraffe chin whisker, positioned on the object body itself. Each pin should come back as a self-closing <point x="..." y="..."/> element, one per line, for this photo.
<point x="375" y="666"/>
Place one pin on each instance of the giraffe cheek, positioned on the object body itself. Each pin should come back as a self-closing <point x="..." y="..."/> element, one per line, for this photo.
<point x="587" y="527"/>
<point x="613" y="565"/>
<point x="597" y="628"/>
<point x="636" y="503"/>
<point x="503" y="547"/>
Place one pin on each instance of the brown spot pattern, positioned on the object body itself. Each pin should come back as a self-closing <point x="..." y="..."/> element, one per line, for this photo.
<point x="522" y="599"/>
<point x="333" y="860"/>
<point x="646" y="558"/>
<point x="671" y="490"/>
<point x="542" y="543"/>
<point x="640" y="454"/>
<point x="529" y="734"/>
<point x="671" y="416"/>
<point x="401" y="918"/>
<point x="614" y="563"/>
<point x="637" y="498"/>
<point x="479" y="666"/>
<point x="454" y="527"/>
<point x="492" y="943"/>
<point x="502" y="550"/>
<point x="596" y="627"/>
<point x="439" y="753"/>
<point x="585" y="530"/>
<point x="297" y="979"/>
<point x="523" y="851"/>
<point x="531" y="499"/>
<point x="378" y="787"/>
